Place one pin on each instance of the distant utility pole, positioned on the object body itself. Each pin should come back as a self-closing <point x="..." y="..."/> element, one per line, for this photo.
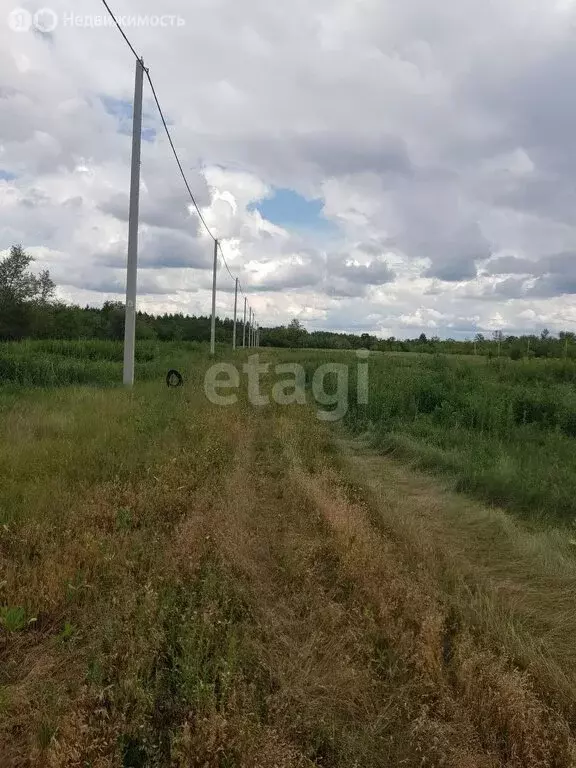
<point x="213" y="326"/>
<point x="132" y="264"/>
<point x="497" y="335"/>
<point x="244" y="325"/>
<point x="235" y="313"/>
<point x="249" y="331"/>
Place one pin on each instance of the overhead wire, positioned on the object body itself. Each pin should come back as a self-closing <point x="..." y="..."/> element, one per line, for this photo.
<point x="169" y="136"/>
<point x="114" y="19"/>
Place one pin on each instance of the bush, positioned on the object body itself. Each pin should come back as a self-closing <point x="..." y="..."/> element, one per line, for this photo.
<point x="533" y="410"/>
<point x="567" y="422"/>
<point x="429" y="397"/>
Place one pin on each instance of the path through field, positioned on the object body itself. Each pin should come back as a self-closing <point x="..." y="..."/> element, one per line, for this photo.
<point x="246" y="587"/>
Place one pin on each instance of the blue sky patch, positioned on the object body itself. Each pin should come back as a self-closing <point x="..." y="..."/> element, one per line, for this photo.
<point x="6" y="175"/>
<point x="122" y="111"/>
<point x="288" y="209"/>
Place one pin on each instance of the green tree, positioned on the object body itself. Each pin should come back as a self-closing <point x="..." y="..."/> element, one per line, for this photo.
<point x="22" y="294"/>
<point x="296" y="333"/>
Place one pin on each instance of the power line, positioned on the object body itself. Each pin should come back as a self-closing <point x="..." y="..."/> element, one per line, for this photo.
<point x="175" y="153"/>
<point x="226" y="263"/>
<point x="206" y="227"/>
<point x="128" y="43"/>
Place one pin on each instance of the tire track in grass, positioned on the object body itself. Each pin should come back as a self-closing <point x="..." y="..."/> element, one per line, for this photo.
<point x="476" y="706"/>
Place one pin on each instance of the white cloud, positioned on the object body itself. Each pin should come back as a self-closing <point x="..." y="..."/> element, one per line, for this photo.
<point x="436" y="136"/>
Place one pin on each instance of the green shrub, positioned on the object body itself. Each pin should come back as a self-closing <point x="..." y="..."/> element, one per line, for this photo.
<point x="534" y="410"/>
<point x="567" y="422"/>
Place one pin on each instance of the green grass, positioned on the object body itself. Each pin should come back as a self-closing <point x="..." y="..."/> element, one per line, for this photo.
<point x="62" y="363"/>
<point x="505" y="431"/>
<point x="185" y="584"/>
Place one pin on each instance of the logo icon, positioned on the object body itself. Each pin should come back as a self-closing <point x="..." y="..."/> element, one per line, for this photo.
<point x="45" y="20"/>
<point x="20" y="20"/>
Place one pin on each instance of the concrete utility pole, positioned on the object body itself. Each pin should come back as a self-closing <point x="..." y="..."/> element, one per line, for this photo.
<point x="235" y="313"/>
<point x="213" y="326"/>
<point x="132" y="264"/>
<point x="244" y="325"/>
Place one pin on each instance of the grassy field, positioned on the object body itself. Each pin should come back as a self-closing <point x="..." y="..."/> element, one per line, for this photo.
<point x="184" y="584"/>
<point x="506" y="431"/>
<point x="61" y="363"/>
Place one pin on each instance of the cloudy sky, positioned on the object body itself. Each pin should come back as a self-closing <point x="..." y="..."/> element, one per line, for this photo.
<point x="369" y="165"/>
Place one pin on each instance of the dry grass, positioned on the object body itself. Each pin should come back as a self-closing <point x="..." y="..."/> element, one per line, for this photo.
<point x="204" y="587"/>
<point x="511" y="582"/>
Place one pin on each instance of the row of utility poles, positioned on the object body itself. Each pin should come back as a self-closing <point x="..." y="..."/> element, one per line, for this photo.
<point x="250" y="329"/>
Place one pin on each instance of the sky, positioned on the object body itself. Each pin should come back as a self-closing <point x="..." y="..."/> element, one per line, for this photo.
<point x="368" y="165"/>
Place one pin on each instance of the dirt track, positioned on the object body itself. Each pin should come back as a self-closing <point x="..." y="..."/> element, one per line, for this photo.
<point x="258" y="592"/>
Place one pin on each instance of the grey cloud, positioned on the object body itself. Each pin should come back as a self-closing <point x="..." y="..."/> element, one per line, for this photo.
<point x="511" y="288"/>
<point x="35" y="198"/>
<point x="510" y="265"/>
<point x="406" y="107"/>
<point x="558" y="263"/>
<point x="169" y="249"/>
<point x="549" y="276"/>
<point x="376" y="247"/>
<point x="374" y="273"/>
<point x="288" y="279"/>
<point x="453" y="270"/>
<point x="454" y="257"/>
<point x="346" y="279"/>
<point x="162" y="206"/>
<point x="74" y="202"/>
<point x="339" y="154"/>
<point x="339" y="288"/>
<point x="148" y="284"/>
<point x="552" y="285"/>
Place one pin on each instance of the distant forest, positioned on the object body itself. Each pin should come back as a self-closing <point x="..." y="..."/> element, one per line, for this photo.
<point x="29" y="310"/>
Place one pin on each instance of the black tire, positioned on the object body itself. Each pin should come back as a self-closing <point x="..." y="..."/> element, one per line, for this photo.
<point x="174" y="379"/>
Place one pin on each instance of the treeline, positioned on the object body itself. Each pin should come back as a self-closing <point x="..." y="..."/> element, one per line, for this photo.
<point x="60" y="321"/>
<point x="28" y="310"/>
<point x="494" y="345"/>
